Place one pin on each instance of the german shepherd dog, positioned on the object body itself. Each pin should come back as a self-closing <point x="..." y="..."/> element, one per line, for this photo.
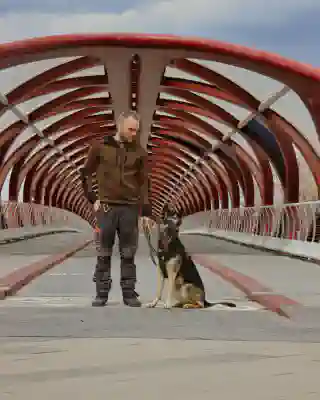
<point x="185" y="288"/>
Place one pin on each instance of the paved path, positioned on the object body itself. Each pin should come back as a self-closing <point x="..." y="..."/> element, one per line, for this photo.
<point x="295" y="278"/>
<point x="158" y="369"/>
<point x="53" y="343"/>
<point x="70" y="283"/>
<point x="28" y="232"/>
<point x="18" y="254"/>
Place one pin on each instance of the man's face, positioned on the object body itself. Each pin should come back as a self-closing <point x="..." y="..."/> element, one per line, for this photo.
<point x="129" y="129"/>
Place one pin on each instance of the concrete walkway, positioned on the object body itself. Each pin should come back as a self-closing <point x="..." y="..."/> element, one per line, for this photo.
<point x="157" y="369"/>
<point x="28" y="232"/>
<point x="53" y="343"/>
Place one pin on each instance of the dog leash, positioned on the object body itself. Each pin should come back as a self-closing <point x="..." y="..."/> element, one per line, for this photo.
<point x="152" y="251"/>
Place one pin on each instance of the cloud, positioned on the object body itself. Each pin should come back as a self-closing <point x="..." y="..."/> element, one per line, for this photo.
<point x="174" y="16"/>
<point x="67" y="7"/>
<point x="286" y="27"/>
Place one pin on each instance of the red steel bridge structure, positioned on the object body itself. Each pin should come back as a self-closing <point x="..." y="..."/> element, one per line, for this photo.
<point x="193" y="164"/>
<point x="222" y="172"/>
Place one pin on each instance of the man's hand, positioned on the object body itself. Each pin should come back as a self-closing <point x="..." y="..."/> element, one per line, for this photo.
<point x="96" y="206"/>
<point x="146" y="223"/>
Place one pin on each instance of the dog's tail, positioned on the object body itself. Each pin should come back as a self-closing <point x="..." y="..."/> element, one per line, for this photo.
<point x="208" y="304"/>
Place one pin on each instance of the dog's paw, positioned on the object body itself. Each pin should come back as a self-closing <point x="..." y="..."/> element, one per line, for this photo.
<point x="168" y="306"/>
<point x="189" y="306"/>
<point x="152" y="304"/>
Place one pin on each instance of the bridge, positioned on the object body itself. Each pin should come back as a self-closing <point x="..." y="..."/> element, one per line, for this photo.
<point x="240" y="184"/>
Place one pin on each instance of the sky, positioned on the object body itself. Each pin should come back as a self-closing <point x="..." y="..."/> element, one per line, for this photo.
<point x="287" y="27"/>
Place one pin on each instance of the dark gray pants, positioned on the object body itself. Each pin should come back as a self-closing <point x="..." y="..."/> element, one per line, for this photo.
<point x="123" y="220"/>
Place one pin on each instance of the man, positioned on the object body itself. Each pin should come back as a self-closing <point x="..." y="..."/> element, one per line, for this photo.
<point x="121" y="170"/>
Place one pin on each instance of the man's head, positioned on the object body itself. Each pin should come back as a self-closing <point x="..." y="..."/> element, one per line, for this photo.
<point x="128" y="126"/>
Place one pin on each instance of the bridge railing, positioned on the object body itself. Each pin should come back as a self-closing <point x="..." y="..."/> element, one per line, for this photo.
<point x="19" y="215"/>
<point x="300" y="221"/>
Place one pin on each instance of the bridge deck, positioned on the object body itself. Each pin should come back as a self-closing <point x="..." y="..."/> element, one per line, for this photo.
<point x="52" y="342"/>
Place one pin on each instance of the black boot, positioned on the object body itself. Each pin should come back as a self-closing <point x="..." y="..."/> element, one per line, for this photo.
<point x="99" y="301"/>
<point x="102" y="293"/>
<point x="130" y="298"/>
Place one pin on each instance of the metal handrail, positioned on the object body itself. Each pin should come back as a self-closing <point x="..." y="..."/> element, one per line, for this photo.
<point x="298" y="221"/>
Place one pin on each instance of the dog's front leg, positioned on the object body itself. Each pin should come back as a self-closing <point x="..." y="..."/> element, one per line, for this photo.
<point x="160" y="286"/>
<point x="172" y="269"/>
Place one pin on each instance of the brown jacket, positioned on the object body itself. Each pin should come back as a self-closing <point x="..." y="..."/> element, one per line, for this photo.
<point x="121" y="173"/>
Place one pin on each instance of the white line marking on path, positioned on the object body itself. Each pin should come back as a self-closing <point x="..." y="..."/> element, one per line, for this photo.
<point x="67" y="274"/>
<point x="85" y="301"/>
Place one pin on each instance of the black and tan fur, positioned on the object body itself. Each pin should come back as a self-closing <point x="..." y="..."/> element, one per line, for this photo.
<point x="185" y="288"/>
<point x="184" y="285"/>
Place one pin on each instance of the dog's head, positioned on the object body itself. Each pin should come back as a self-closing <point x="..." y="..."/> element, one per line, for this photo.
<point x="169" y="231"/>
<point x="168" y="212"/>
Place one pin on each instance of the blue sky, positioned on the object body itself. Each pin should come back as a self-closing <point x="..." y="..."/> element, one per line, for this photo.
<point x="288" y="27"/>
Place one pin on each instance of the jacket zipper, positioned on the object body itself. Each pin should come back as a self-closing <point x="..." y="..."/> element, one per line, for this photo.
<point x="121" y="162"/>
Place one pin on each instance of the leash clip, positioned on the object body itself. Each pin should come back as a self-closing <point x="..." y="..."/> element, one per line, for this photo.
<point x="105" y="207"/>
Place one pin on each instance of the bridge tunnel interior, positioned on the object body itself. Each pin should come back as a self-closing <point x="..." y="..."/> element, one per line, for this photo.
<point x="202" y="154"/>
